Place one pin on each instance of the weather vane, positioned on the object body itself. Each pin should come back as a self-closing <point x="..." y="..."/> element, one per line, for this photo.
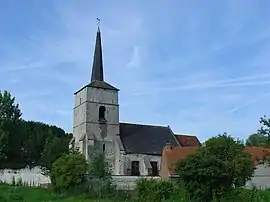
<point x="98" y="22"/>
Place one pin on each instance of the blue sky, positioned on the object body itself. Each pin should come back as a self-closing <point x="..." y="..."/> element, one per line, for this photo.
<point x="201" y="67"/>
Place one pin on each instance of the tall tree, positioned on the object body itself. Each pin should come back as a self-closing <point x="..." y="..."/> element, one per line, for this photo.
<point x="27" y="143"/>
<point x="265" y="127"/>
<point x="262" y="137"/>
<point x="257" y="139"/>
<point x="10" y="138"/>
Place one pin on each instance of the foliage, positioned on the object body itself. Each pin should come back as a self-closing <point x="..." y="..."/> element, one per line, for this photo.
<point x="27" y="194"/>
<point x="27" y="143"/>
<point x="215" y="168"/>
<point x="53" y="149"/>
<point x="265" y="128"/>
<point x="100" y="179"/>
<point x="257" y="139"/>
<point x="68" y="171"/>
<point x="98" y="167"/>
<point x="155" y="190"/>
<point x="10" y="141"/>
<point x="262" y="137"/>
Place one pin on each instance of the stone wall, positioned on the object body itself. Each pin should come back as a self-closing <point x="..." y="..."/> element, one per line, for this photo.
<point x="261" y="179"/>
<point x="126" y="159"/>
<point x="29" y="176"/>
<point x="129" y="182"/>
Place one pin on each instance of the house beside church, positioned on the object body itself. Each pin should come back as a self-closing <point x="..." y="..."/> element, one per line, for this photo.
<point x="260" y="179"/>
<point x="130" y="149"/>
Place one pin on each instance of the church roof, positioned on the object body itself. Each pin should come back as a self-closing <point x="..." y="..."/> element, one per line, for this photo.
<point x="146" y="139"/>
<point x="99" y="84"/>
<point x="97" y="69"/>
<point x="97" y="77"/>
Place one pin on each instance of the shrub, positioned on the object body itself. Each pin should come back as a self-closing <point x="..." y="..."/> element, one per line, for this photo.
<point x="68" y="171"/>
<point x="100" y="179"/>
<point x="155" y="190"/>
<point x="215" y="169"/>
<point x="19" y="182"/>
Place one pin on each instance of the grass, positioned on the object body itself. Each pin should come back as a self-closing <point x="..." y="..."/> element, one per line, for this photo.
<point x="9" y="193"/>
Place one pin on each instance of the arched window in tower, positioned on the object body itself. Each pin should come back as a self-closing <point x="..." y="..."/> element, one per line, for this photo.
<point x="101" y="115"/>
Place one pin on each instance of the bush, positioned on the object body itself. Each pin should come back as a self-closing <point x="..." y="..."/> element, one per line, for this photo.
<point x="68" y="172"/>
<point x="215" y="169"/>
<point x="155" y="190"/>
<point x="99" y="177"/>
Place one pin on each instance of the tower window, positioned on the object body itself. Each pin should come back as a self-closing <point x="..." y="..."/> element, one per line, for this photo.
<point x="104" y="147"/>
<point x="101" y="114"/>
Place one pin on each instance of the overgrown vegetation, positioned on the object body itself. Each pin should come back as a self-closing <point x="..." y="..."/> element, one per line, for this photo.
<point x="27" y="143"/>
<point x="9" y="193"/>
<point x="215" y="172"/>
<point x="68" y="172"/>
<point x="215" y="169"/>
<point x="262" y="136"/>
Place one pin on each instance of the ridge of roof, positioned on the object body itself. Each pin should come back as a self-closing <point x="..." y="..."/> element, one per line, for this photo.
<point x="141" y="124"/>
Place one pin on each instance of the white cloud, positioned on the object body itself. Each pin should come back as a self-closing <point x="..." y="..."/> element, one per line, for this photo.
<point x="159" y="62"/>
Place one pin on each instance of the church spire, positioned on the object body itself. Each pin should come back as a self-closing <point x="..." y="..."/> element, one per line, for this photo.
<point x="97" y="69"/>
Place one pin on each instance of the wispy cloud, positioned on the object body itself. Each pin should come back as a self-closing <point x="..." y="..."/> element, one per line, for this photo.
<point x="201" y="68"/>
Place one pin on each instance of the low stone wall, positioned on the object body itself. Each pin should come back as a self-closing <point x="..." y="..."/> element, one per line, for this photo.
<point x="32" y="176"/>
<point x="128" y="182"/>
<point x="261" y="178"/>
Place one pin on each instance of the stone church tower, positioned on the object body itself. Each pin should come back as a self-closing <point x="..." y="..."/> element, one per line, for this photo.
<point x="96" y="113"/>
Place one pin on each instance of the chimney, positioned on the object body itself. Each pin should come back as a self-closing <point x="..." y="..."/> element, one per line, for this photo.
<point x="168" y="146"/>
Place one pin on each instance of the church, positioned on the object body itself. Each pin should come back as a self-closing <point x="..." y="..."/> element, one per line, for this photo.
<point x="131" y="149"/>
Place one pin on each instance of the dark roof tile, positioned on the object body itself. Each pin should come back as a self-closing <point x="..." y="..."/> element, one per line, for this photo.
<point x="99" y="84"/>
<point x="145" y="139"/>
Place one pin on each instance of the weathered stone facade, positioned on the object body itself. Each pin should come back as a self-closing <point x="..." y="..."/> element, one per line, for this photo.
<point x="130" y="149"/>
<point x="88" y="131"/>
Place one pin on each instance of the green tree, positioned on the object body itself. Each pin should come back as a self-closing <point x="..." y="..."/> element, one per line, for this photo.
<point x="265" y="128"/>
<point x="262" y="137"/>
<point x="68" y="171"/>
<point x="10" y="138"/>
<point x="53" y="149"/>
<point x="43" y="143"/>
<point x="257" y="139"/>
<point x="98" y="167"/>
<point x="215" y="168"/>
<point x="27" y="143"/>
<point x="99" y="177"/>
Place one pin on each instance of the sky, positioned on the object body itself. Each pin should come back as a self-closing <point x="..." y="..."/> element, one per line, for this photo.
<point x="201" y="67"/>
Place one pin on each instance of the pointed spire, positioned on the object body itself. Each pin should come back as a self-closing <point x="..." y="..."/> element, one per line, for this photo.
<point x="97" y="69"/>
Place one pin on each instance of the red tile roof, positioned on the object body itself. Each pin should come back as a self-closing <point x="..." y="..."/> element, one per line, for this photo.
<point x="177" y="153"/>
<point x="258" y="153"/>
<point x="188" y="140"/>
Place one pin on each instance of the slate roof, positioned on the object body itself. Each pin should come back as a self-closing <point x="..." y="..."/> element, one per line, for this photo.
<point x="188" y="140"/>
<point x="145" y="139"/>
<point x="97" y="69"/>
<point x="99" y="84"/>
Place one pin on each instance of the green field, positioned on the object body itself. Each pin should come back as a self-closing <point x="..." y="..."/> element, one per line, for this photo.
<point x="27" y="194"/>
<point x="10" y="193"/>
